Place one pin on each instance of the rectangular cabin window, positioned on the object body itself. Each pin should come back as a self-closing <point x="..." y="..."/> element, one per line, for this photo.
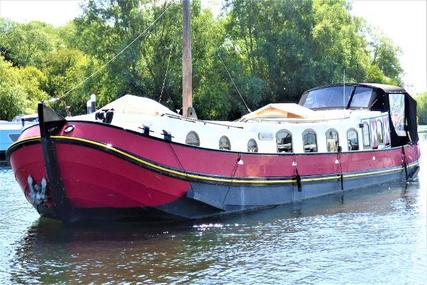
<point x="380" y="132"/>
<point x="331" y="97"/>
<point x="366" y="136"/>
<point x="361" y="98"/>
<point x="386" y="125"/>
<point x="397" y="112"/>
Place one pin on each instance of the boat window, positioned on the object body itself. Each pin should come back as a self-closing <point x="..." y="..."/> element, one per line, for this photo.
<point x="309" y="141"/>
<point x="224" y="143"/>
<point x="331" y="97"/>
<point x="192" y="139"/>
<point x="380" y="132"/>
<point x="366" y="136"/>
<point x="361" y="97"/>
<point x="332" y="140"/>
<point x="284" y="141"/>
<point x="386" y="131"/>
<point x="352" y="139"/>
<point x="252" y="146"/>
<point x="397" y="112"/>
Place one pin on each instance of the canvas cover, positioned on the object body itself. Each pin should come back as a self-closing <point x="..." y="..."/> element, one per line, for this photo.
<point x="131" y="104"/>
<point x="281" y="110"/>
<point x="402" y="110"/>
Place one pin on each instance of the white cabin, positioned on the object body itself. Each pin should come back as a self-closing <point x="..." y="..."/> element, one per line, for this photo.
<point x="335" y="118"/>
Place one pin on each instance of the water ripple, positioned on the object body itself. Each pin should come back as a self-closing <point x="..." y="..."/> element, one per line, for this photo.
<point x="361" y="238"/>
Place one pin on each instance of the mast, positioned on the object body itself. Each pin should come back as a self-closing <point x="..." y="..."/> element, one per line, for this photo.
<point x="187" y="93"/>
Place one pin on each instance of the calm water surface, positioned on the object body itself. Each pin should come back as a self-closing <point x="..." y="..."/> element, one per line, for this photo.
<point x="371" y="236"/>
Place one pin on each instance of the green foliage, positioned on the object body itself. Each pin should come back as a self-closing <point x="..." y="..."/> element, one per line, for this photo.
<point x="273" y="50"/>
<point x="12" y="101"/>
<point x="17" y="88"/>
<point x="104" y="30"/>
<point x="28" y="44"/>
<point x="65" y="69"/>
<point x="422" y="108"/>
<point x="32" y="82"/>
<point x="384" y="65"/>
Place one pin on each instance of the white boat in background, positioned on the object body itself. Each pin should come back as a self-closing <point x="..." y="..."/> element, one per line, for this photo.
<point x="11" y="130"/>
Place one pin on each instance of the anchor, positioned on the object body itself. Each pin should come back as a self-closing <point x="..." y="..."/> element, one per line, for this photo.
<point x="37" y="192"/>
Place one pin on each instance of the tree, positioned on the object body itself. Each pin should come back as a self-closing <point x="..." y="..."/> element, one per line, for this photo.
<point x="106" y="28"/>
<point x="20" y="90"/>
<point x="384" y="65"/>
<point x="422" y="108"/>
<point x="65" y="70"/>
<point x="12" y="101"/>
<point x="28" y="44"/>
<point x="292" y="46"/>
<point x="261" y="51"/>
<point x="150" y="67"/>
<point x="32" y="81"/>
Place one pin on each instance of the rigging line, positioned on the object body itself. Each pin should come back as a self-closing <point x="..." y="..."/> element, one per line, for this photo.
<point x="234" y="84"/>
<point x="166" y="74"/>
<point x="113" y="58"/>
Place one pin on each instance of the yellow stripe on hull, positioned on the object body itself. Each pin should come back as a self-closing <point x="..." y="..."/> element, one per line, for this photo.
<point x="210" y="179"/>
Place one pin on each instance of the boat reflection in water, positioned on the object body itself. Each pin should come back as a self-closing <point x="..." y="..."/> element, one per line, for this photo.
<point x="378" y="232"/>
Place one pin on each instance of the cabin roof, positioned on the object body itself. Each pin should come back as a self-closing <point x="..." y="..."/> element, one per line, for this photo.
<point x="280" y="110"/>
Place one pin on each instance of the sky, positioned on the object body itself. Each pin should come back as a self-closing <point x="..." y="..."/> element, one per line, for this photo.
<point x="404" y="21"/>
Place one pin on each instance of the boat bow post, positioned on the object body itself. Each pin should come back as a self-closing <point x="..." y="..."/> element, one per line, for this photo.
<point x="50" y="123"/>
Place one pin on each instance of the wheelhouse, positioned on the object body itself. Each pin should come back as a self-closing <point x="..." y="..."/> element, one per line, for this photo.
<point x="394" y="100"/>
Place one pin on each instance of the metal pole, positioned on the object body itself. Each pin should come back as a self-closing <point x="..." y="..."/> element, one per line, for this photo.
<point x="187" y="96"/>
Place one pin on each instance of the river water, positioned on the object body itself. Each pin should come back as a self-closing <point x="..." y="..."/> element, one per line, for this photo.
<point x="371" y="236"/>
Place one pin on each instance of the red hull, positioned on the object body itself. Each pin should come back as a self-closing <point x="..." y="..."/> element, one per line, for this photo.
<point x="107" y="167"/>
<point x="103" y="181"/>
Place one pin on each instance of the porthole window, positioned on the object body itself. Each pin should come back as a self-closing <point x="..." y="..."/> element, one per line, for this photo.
<point x="380" y="132"/>
<point x="192" y="139"/>
<point x="224" y="143"/>
<point x="309" y="141"/>
<point x="366" y="136"/>
<point x="332" y="141"/>
<point x="352" y="139"/>
<point x="252" y="146"/>
<point x="284" y="141"/>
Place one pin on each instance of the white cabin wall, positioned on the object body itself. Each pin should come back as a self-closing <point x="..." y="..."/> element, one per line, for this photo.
<point x="210" y="133"/>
